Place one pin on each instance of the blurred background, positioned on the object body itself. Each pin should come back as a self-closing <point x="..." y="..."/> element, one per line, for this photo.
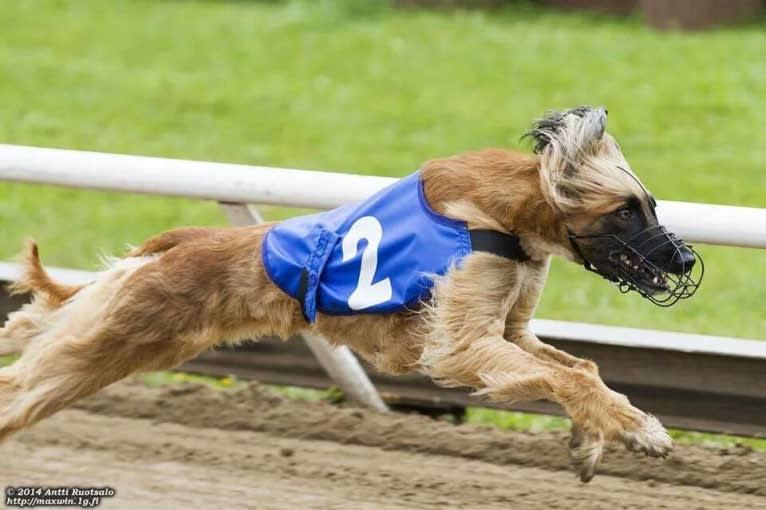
<point x="378" y="87"/>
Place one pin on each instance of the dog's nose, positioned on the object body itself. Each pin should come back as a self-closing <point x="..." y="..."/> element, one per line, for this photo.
<point x="682" y="262"/>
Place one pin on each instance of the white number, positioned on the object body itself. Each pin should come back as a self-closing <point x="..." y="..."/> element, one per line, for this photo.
<point x="366" y="294"/>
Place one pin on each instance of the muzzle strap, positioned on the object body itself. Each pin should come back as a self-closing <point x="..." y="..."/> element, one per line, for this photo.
<point x="498" y="243"/>
<point x="573" y="241"/>
<point x="585" y="262"/>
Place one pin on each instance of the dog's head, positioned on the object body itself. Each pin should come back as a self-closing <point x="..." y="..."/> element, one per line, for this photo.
<point x="608" y="215"/>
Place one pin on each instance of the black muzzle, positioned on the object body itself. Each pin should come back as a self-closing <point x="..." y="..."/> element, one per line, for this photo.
<point x="655" y="263"/>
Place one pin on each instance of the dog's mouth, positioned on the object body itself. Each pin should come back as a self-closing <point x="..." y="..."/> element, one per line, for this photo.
<point x="620" y="262"/>
<point x="634" y="268"/>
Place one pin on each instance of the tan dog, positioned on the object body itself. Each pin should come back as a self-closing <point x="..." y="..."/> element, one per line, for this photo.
<point x="187" y="290"/>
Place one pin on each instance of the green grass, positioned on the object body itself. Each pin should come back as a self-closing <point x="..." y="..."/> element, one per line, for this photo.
<point x="174" y="378"/>
<point x="511" y="420"/>
<point x="232" y="383"/>
<point x="354" y="86"/>
<point x="351" y="85"/>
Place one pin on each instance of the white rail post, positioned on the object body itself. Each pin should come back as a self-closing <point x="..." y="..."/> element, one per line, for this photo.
<point x="339" y="362"/>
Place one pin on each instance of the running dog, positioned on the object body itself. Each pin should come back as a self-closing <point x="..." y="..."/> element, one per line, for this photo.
<point x="440" y="273"/>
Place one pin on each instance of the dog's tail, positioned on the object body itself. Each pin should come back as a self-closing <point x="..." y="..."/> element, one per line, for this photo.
<point x="36" y="279"/>
<point x="47" y="295"/>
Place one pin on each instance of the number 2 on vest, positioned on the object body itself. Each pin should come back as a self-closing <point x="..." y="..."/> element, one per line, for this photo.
<point x="366" y="294"/>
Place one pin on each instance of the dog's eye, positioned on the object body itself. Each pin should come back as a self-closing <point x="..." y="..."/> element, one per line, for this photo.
<point x="624" y="213"/>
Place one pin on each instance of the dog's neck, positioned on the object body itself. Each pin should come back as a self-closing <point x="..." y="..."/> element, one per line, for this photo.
<point x="501" y="190"/>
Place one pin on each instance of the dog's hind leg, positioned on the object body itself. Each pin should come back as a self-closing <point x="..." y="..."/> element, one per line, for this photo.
<point x="71" y="351"/>
<point x="55" y="371"/>
<point x="145" y="313"/>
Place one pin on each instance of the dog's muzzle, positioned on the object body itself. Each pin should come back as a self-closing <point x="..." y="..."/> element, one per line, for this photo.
<point x="655" y="263"/>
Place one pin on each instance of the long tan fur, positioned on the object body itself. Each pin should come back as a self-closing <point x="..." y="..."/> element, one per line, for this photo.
<point x="187" y="290"/>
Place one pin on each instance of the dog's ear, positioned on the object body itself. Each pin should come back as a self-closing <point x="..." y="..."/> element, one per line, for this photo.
<point x="576" y="130"/>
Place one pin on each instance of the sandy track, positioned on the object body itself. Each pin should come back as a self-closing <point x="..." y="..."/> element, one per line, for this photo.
<point x="191" y="447"/>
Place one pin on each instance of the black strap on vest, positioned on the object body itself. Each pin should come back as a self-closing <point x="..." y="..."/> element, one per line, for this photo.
<point x="498" y="243"/>
<point x="490" y="241"/>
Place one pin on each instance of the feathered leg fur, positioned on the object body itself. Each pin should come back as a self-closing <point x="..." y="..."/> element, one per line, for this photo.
<point x="465" y="346"/>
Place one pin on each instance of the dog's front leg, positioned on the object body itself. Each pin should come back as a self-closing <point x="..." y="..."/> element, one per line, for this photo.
<point x="523" y="309"/>
<point x="464" y="346"/>
<point x="520" y="334"/>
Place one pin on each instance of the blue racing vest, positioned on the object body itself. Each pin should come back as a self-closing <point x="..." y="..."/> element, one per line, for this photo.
<point x="375" y="257"/>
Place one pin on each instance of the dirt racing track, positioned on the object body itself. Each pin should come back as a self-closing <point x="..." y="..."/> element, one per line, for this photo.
<point x="194" y="447"/>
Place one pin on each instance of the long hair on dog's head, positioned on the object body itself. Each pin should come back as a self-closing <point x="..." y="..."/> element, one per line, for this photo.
<point x="582" y="169"/>
<point x="607" y="213"/>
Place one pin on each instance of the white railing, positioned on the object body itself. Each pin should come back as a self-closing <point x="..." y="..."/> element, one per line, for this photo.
<point x="701" y="223"/>
<point x="235" y="186"/>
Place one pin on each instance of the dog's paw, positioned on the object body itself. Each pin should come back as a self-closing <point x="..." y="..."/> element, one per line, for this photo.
<point x="585" y="452"/>
<point x="649" y="438"/>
